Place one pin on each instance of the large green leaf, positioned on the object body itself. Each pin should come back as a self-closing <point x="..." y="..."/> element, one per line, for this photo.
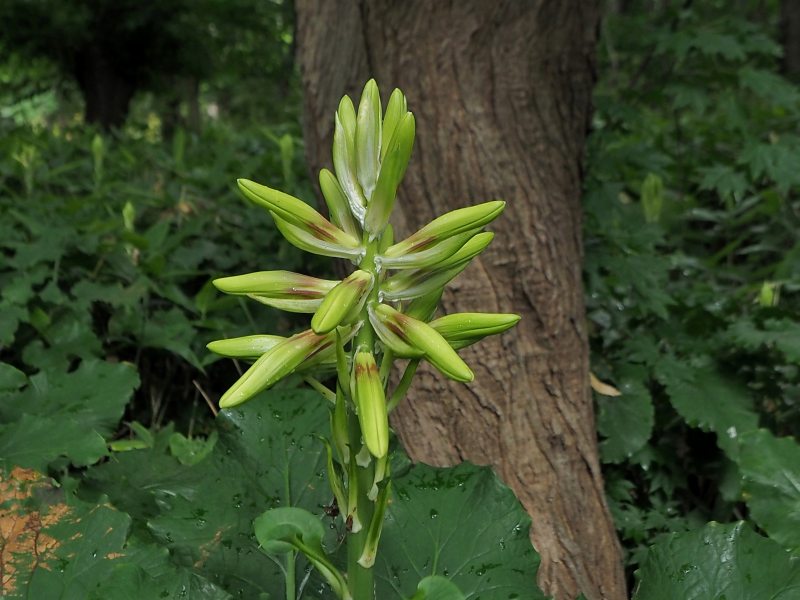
<point x="728" y="562"/>
<point x="770" y="467"/>
<point x="62" y="414"/>
<point x="461" y="523"/>
<point x="265" y="457"/>
<point x="625" y="421"/>
<point x="57" y="547"/>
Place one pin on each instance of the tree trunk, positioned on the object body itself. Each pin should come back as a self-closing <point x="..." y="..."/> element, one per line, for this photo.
<point x="501" y="92"/>
<point x="106" y="92"/>
<point x="790" y="37"/>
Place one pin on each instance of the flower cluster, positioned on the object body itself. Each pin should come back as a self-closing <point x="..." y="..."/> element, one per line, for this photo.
<point x="384" y="310"/>
<point x="393" y="292"/>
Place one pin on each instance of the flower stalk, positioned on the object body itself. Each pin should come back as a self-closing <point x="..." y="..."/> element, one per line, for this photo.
<point x="380" y="313"/>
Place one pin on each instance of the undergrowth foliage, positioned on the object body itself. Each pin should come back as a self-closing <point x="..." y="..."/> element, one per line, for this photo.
<point x="692" y="252"/>
<point x="118" y="481"/>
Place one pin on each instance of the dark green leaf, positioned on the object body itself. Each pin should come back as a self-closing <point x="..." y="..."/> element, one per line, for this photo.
<point x="718" y="561"/>
<point x="461" y="523"/>
<point x="625" y="421"/>
<point x="771" y="470"/>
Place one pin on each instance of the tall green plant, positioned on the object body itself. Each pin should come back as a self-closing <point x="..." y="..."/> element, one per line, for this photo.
<point x="361" y="326"/>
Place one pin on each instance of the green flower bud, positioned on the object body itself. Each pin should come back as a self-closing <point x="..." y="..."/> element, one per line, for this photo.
<point x="338" y="207"/>
<point x="474" y="246"/>
<point x="294" y="305"/>
<point x="427" y="257"/>
<point x="247" y="347"/>
<point x="423" y="337"/>
<point x="314" y="243"/>
<point x="281" y="360"/>
<point x="392" y="170"/>
<point x="344" y="162"/>
<point x="368" y="138"/>
<point x="341" y="301"/>
<point x="297" y="213"/>
<point x="347" y="115"/>
<point x="276" y="284"/>
<point x="412" y="284"/>
<point x="395" y="111"/>
<point x="284" y="290"/>
<point x="449" y="224"/>
<point x="463" y="329"/>
<point x="370" y="401"/>
<point x="392" y="337"/>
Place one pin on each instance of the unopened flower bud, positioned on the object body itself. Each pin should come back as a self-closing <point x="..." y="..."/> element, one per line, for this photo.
<point x="428" y="256"/>
<point x="338" y="207"/>
<point x="368" y="138"/>
<point x="281" y="360"/>
<point x="370" y="401"/>
<point x="449" y="224"/>
<point x="247" y="347"/>
<point x="463" y="329"/>
<point x="341" y="301"/>
<point x="280" y="289"/>
<point x="422" y="336"/>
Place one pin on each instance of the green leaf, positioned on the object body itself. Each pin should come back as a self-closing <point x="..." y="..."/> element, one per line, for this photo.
<point x="724" y="180"/>
<point x="467" y="526"/>
<point x="461" y="523"/>
<point x="190" y="451"/>
<point x="626" y="421"/>
<point x="11" y="378"/>
<point x="781" y="334"/>
<point x="274" y="527"/>
<point x="265" y="457"/>
<point x="64" y="414"/>
<point x="718" y="561"/>
<point x="436" y="587"/>
<point x="708" y="400"/>
<point x="770" y="468"/>
<point x="282" y="530"/>
<point x="72" y="550"/>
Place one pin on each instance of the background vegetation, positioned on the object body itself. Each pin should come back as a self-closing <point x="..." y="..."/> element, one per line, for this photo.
<point x="112" y="228"/>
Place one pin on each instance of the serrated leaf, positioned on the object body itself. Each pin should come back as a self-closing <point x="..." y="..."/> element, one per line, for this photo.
<point x="724" y="180"/>
<point x="708" y="400"/>
<point x="770" y="468"/>
<point x="780" y="334"/>
<point x="64" y="414"/>
<point x="718" y="561"/>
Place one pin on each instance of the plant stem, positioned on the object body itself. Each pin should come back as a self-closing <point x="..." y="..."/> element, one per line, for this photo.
<point x="361" y="581"/>
<point x="291" y="566"/>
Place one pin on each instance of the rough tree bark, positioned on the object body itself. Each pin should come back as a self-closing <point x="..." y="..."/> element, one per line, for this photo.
<point x="501" y="92"/>
<point x="790" y="37"/>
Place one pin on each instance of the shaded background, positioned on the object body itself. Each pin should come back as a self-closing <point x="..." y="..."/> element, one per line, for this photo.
<point x="123" y="126"/>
